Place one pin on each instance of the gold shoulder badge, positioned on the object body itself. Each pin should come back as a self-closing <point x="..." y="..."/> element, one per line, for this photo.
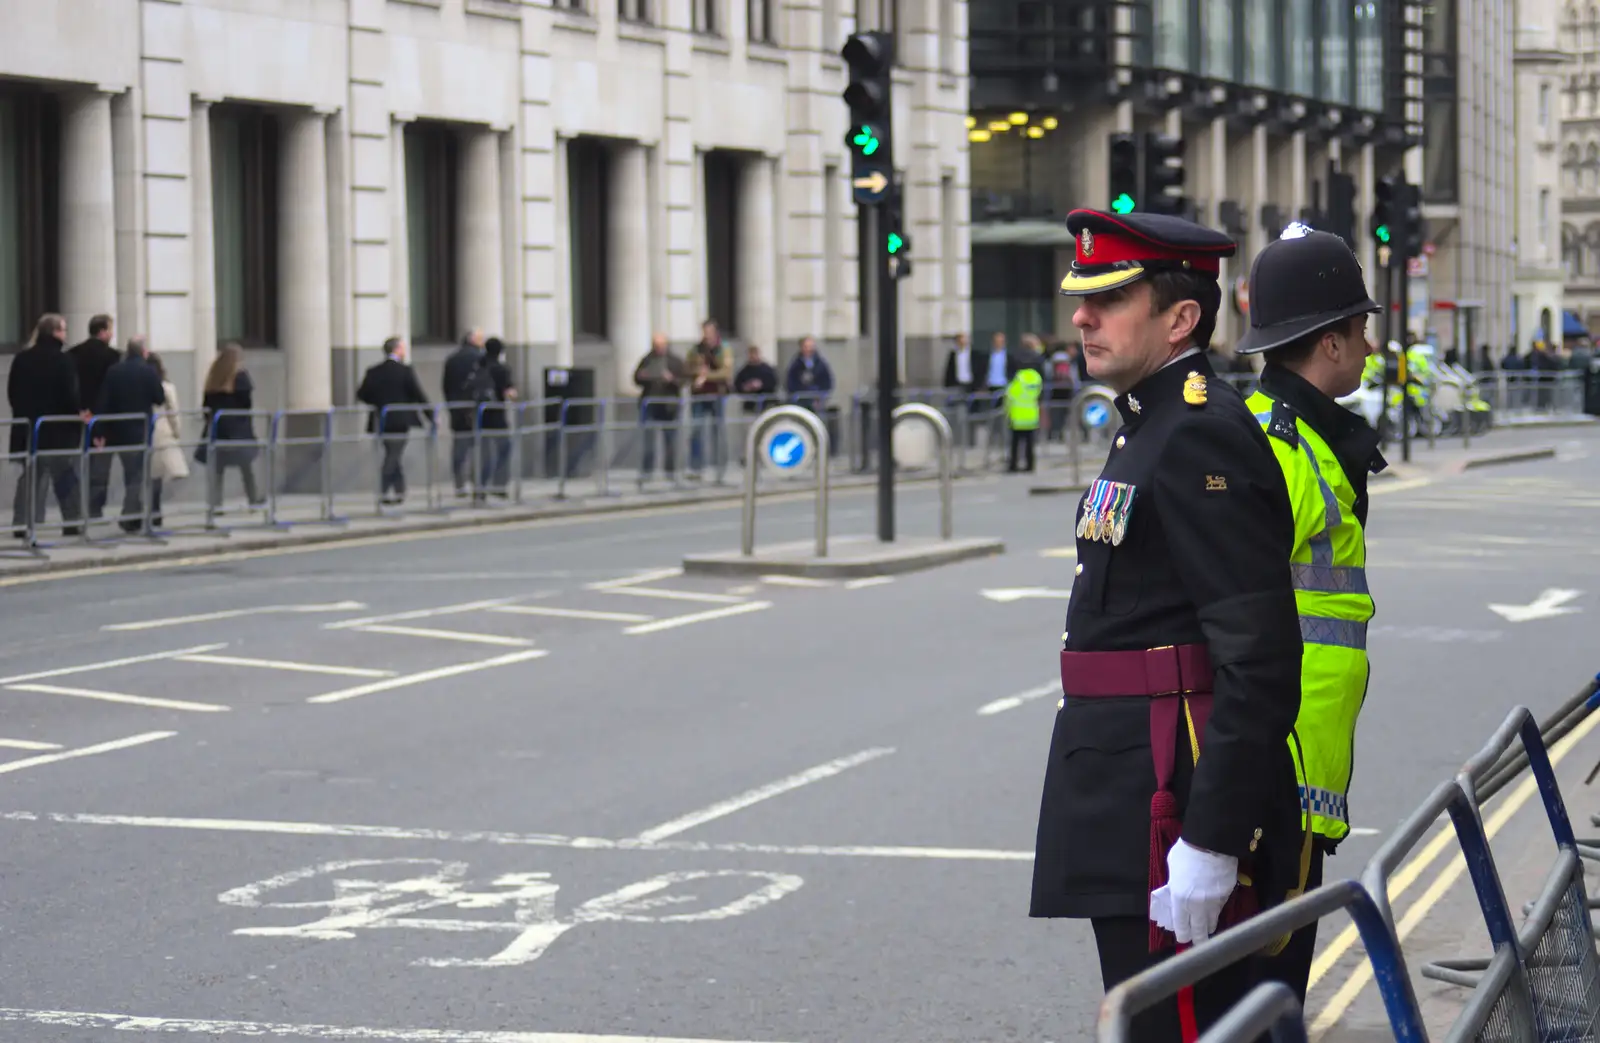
<point x="1216" y="483"/>
<point x="1086" y="240"/>
<point x="1194" y="389"/>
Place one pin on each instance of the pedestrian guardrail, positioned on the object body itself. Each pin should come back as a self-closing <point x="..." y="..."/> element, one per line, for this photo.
<point x="1541" y="984"/>
<point x="1270" y="1009"/>
<point x="790" y="453"/>
<point x="942" y="436"/>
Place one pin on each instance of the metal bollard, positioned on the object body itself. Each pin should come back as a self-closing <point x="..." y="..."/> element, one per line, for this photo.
<point x="819" y="432"/>
<point x="942" y="433"/>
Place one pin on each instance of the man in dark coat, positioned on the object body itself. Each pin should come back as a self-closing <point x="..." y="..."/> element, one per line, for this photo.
<point x="94" y="359"/>
<point x="131" y="386"/>
<point x="466" y="384"/>
<point x="392" y="390"/>
<point x="44" y="383"/>
<point x="1181" y="650"/>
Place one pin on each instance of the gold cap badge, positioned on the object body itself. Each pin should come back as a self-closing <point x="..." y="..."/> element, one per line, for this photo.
<point x="1194" y="389"/>
<point x="1086" y="240"/>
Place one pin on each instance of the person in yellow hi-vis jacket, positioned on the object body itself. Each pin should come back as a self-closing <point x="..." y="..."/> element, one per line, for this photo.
<point x="1022" y="406"/>
<point x="1308" y="313"/>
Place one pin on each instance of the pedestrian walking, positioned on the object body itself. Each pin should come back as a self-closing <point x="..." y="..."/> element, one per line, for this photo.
<point x="398" y="404"/>
<point x="230" y="429"/>
<point x="42" y="388"/>
<point x="93" y="359"/>
<point x="166" y="443"/>
<point x="1181" y="649"/>
<point x="1308" y="316"/>
<point x="132" y="386"/>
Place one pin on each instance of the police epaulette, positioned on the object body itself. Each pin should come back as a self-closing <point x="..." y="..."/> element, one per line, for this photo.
<point x="1283" y="425"/>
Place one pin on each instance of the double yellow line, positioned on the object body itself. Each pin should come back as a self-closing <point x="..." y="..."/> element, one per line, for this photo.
<point x="1413" y="871"/>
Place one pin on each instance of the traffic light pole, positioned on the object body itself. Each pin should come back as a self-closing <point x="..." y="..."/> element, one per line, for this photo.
<point x="888" y="369"/>
<point x="1403" y="294"/>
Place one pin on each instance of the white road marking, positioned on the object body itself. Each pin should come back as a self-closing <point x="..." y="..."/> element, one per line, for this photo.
<point x="499" y="839"/>
<point x="796" y="581"/>
<point x="1059" y="552"/>
<point x="234" y="613"/>
<point x="1547" y="605"/>
<point x="447" y="635"/>
<point x="119" y="697"/>
<point x="868" y="581"/>
<point x="419" y="613"/>
<point x="84" y="751"/>
<point x="1009" y="594"/>
<point x="744" y="800"/>
<point x="284" y="664"/>
<point x="1011" y="702"/>
<point x="649" y="576"/>
<point x="28" y="744"/>
<point x="1398" y="485"/>
<point x="1363" y="831"/>
<point x="111" y="663"/>
<point x="675" y="595"/>
<point x="572" y="613"/>
<point x="427" y="675"/>
<point x="745" y="588"/>
<point x="698" y="617"/>
<point x="281" y="1030"/>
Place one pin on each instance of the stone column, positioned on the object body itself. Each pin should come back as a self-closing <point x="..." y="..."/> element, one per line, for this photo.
<point x="756" y="255"/>
<point x="304" y="315"/>
<point x="202" y="231"/>
<point x="628" y="253"/>
<point x="480" y="297"/>
<point x="1226" y="334"/>
<point x="399" y="234"/>
<point x="88" y="211"/>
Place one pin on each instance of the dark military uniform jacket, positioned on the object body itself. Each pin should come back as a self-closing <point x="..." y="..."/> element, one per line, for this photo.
<point x="1203" y="558"/>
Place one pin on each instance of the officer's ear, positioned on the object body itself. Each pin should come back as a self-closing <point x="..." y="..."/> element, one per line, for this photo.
<point x="1185" y="316"/>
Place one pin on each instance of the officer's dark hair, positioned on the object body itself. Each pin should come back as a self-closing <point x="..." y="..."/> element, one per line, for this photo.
<point x="1169" y="287"/>
<point x="1297" y="351"/>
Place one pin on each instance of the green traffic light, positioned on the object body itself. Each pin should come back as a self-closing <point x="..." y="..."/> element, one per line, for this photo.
<point x="1382" y="232"/>
<point x="866" y="141"/>
<point x="1123" y="204"/>
<point x="895" y="242"/>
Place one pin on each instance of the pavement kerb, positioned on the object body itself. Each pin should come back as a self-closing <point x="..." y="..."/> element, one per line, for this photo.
<point x="1504" y="456"/>
<point x="246" y="542"/>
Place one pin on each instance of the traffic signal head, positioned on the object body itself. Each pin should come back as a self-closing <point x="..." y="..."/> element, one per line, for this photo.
<point x="1410" y="199"/>
<point x="870" y="57"/>
<point x="1384" y="211"/>
<point x="1123" y="173"/>
<point x="1342" y="207"/>
<point x="1163" y="173"/>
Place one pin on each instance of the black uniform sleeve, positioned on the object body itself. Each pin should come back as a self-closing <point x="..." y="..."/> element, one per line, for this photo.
<point x="1226" y="514"/>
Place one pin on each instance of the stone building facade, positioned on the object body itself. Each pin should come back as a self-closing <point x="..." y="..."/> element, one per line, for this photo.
<point x="309" y="177"/>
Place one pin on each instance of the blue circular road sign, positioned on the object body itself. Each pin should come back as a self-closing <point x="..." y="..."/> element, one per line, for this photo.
<point x="786" y="450"/>
<point x="1095" y="414"/>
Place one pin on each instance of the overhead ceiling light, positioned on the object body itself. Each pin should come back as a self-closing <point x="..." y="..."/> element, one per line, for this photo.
<point x="999" y="126"/>
<point x="979" y="135"/>
<point x="972" y="121"/>
<point x="1035" y="132"/>
<point x="1050" y="123"/>
<point x="1019" y="118"/>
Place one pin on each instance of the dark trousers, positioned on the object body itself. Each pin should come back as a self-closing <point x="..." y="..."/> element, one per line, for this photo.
<point x="462" y="445"/>
<point x="1124" y="945"/>
<point x="132" y="489"/>
<point x="1023" y="441"/>
<point x="99" y="482"/>
<point x="391" y="475"/>
<point x="59" y="472"/>
<point x="1292" y="966"/>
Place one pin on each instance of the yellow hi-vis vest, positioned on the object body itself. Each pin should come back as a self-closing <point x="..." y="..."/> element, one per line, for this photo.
<point x="1330" y="580"/>
<point x="1022" y="399"/>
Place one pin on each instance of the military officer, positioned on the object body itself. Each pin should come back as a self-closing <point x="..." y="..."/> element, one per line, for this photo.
<point x="1169" y="807"/>
<point x="1308" y="314"/>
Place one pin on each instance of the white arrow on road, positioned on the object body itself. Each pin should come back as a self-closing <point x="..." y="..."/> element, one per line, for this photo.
<point x="1018" y="593"/>
<point x="234" y="613"/>
<point x="1552" y="602"/>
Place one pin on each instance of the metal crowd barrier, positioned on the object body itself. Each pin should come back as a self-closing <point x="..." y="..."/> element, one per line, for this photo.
<point x="1270" y="1009"/>
<point x="1540" y="985"/>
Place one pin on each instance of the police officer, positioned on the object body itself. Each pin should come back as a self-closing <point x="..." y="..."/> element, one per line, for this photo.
<point x="1308" y="314"/>
<point x="1182" y="649"/>
<point x="1022" y="409"/>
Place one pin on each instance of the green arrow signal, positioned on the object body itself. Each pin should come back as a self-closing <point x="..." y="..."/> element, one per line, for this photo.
<point x="866" y="141"/>
<point x="895" y="242"/>
<point x="1123" y="204"/>
<point x="1382" y="232"/>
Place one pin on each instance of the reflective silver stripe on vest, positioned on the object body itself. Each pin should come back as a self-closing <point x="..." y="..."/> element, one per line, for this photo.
<point x="1322" y="544"/>
<point x="1342" y="633"/>
<point x="1328" y="804"/>
<point x="1329" y="579"/>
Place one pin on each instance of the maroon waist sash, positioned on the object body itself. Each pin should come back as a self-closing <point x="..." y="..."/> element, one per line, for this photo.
<point x="1170" y="677"/>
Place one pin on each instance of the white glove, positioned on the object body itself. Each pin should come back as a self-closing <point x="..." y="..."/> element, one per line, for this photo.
<point x="1198" y="885"/>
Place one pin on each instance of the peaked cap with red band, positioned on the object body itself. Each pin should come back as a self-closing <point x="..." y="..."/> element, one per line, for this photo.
<point x="1117" y="249"/>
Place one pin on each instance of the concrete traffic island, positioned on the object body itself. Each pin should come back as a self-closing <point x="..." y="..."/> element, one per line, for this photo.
<point x="854" y="557"/>
<point x="789" y="438"/>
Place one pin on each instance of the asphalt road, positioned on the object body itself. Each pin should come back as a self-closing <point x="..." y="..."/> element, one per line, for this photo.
<point x="528" y="785"/>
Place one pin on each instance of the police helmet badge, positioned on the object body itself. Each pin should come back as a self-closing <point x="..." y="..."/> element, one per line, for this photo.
<point x="1086" y="241"/>
<point x="1194" y="388"/>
